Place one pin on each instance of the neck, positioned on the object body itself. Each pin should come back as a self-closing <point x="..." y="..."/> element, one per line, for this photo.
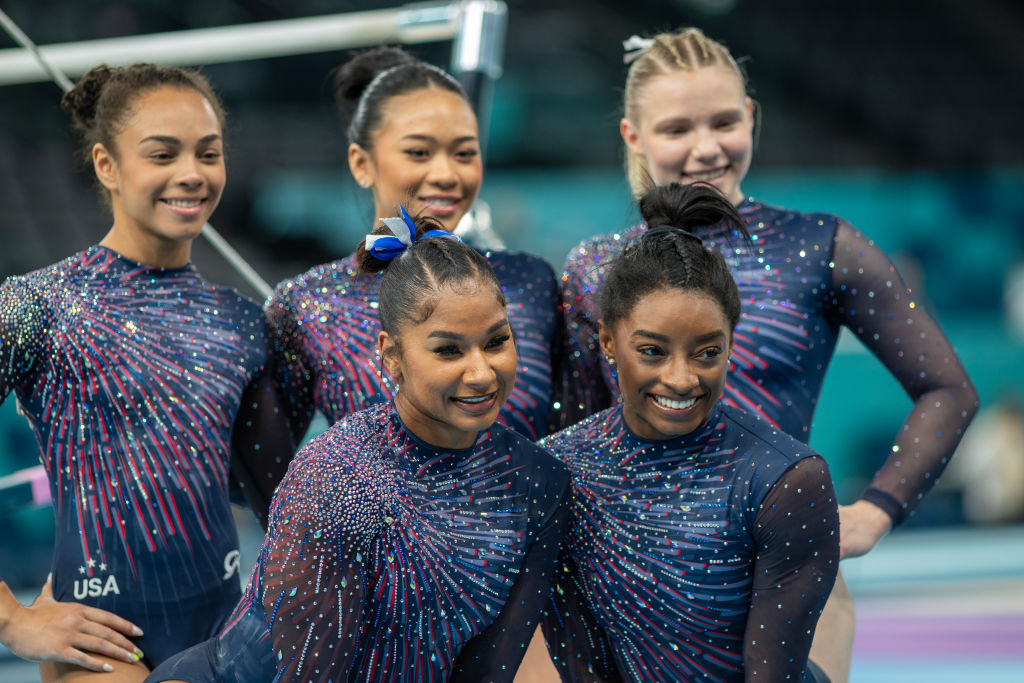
<point x="430" y="430"/>
<point x="148" y="250"/>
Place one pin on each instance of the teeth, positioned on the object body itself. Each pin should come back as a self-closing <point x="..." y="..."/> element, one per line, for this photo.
<point x="675" y="405"/>
<point x="478" y="399"/>
<point x="441" y="202"/>
<point x="183" y="203"/>
<point x="707" y="175"/>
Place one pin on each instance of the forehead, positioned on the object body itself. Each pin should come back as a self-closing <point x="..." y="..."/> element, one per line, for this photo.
<point x="692" y="92"/>
<point x="678" y="314"/>
<point x="468" y="309"/>
<point x="432" y="111"/>
<point x="177" y="112"/>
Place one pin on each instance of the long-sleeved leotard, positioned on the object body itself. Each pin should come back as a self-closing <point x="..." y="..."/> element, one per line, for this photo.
<point x="324" y="325"/>
<point x="705" y="557"/>
<point x="801" y="279"/>
<point x="388" y="559"/>
<point x="131" y="377"/>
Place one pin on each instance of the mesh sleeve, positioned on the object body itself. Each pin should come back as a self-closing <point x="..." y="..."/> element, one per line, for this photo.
<point x="292" y="376"/>
<point x="495" y="654"/>
<point x="579" y="387"/>
<point x="869" y="296"/>
<point x="263" y="444"/>
<point x="578" y="645"/>
<point x="796" y="534"/>
<point x="313" y="589"/>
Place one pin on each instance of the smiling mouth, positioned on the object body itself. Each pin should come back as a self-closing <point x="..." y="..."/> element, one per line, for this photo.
<point x="707" y="176"/>
<point x="674" y="404"/>
<point x="476" y="405"/>
<point x="185" y="204"/>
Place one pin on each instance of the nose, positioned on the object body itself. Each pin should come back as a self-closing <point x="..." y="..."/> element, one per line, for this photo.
<point x="442" y="172"/>
<point x="706" y="147"/>
<point x="679" y="376"/>
<point x="478" y="373"/>
<point x="189" y="176"/>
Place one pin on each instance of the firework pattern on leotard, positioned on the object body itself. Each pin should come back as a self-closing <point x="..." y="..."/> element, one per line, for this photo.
<point x="130" y="376"/>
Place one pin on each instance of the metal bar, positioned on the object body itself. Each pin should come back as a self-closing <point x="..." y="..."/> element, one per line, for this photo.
<point x="412" y="23"/>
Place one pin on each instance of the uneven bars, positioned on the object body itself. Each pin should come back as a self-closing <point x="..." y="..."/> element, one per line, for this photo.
<point x="412" y="23"/>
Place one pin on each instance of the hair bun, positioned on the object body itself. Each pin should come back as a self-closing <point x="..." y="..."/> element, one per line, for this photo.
<point x="352" y="77"/>
<point x="688" y="207"/>
<point x="81" y="100"/>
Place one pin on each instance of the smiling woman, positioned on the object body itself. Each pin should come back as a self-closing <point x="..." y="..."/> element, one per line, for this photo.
<point x="456" y="519"/>
<point x="413" y="140"/>
<point x="133" y="371"/>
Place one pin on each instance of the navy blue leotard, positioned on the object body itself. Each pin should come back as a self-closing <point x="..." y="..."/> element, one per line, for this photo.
<point x="389" y="559"/>
<point x="705" y="557"/>
<point x="131" y="377"/>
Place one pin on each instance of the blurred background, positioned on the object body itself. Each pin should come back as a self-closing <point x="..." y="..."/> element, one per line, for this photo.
<point x="902" y="117"/>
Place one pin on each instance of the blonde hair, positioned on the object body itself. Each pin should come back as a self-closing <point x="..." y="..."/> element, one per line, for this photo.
<point x="685" y="50"/>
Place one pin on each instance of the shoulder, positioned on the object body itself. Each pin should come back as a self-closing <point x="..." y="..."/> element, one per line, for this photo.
<point x="587" y="435"/>
<point x="755" y="212"/>
<point x="291" y="293"/>
<point x="28" y="294"/>
<point x="601" y="247"/>
<point x="761" y="441"/>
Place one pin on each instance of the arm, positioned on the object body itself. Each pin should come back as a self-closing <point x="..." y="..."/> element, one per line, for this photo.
<point x="262" y="443"/>
<point x="51" y="631"/>
<point x="495" y="654"/>
<point x="292" y="379"/>
<point x="868" y="296"/>
<point x="579" y="387"/>
<point x="312" y="585"/>
<point x="797" y="557"/>
<point x="23" y="334"/>
<point x="578" y="645"/>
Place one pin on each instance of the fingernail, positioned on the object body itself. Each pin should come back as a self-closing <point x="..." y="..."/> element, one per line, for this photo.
<point x="137" y="655"/>
<point x="107" y="668"/>
<point x="136" y="631"/>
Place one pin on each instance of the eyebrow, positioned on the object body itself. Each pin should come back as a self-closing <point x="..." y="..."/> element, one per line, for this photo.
<point x="431" y="138"/>
<point x="169" y="140"/>
<point x="665" y="339"/>
<point x="454" y="336"/>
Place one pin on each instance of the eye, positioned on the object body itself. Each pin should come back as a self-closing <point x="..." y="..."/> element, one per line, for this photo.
<point x="447" y="351"/>
<point x="726" y="123"/>
<point x="211" y="155"/>
<point x="651" y="351"/>
<point x="161" y="156"/>
<point x="498" y="342"/>
<point x="710" y="353"/>
<point x="467" y="154"/>
<point x="417" y="153"/>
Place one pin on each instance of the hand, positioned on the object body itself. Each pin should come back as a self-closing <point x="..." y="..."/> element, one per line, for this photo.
<point x="861" y="526"/>
<point x="48" y="630"/>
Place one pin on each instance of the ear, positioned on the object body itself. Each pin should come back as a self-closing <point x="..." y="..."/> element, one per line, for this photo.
<point x="105" y="166"/>
<point x="606" y="340"/>
<point x="732" y="338"/>
<point x="360" y="164"/>
<point x="750" y="114"/>
<point x="387" y="349"/>
<point x="631" y="136"/>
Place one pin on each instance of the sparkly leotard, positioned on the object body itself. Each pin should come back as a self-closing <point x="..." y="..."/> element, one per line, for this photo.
<point x="131" y="377"/>
<point x="388" y="559"/>
<point x="683" y="561"/>
<point x="804" y="277"/>
<point x="324" y="325"/>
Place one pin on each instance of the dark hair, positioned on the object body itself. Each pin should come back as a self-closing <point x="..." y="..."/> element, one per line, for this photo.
<point x="101" y="102"/>
<point x="416" y="280"/>
<point x="669" y="254"/>
<point x="363" y="84"/>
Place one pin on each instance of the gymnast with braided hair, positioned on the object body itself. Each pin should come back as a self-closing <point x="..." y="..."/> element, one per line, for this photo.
<point x="704" y="539"/>
<point x="414" y="540"/>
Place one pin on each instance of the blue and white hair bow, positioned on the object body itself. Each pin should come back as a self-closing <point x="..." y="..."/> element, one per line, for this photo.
<point x="387" y="247"/>
<point x="634" y="46"/>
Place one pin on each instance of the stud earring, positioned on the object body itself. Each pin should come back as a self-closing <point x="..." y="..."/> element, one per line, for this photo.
<point x="364" y="183"/>
<point x="611" y="361"/>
